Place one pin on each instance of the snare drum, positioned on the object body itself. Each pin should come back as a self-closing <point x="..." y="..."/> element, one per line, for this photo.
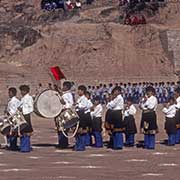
<point x="19" y="123"/>
<point x="5" y="126"/>
<point x="68" y="118"/>
<point x="47" y="104"/>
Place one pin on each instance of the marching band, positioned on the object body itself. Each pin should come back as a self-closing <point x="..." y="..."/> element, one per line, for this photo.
<point x="87" y="113"/>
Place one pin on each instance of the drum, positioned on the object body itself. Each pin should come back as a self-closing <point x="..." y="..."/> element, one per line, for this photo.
<point x="68" y="118"/>
<point x="19" y="123"/>
<point x="47" y="104"/>
<point x="5" y="125"/>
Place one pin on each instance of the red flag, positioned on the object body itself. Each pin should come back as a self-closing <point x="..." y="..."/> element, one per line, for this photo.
<point x="57" y="73"/>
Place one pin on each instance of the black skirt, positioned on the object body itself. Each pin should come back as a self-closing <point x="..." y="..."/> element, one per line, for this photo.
<point x="108" y="116"/>
<point x="97" y="124"/>
<point x="84" y="119"/>
<point x="88" y="120"/>
<point x="142" y="121"/>
<point x="116" y="119"/>
<point x="130" y="125"/>
<point x="177" y="117"/>
<point x="150" y="121"/>
<point x="28" y="128"/>
<point x="170" y="125"/>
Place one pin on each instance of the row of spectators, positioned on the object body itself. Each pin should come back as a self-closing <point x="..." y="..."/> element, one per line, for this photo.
<point x="134" y="19"/>
<point x="133" y="8"/>
<point x="50" y="5"/>
<point x="134" y="90"/>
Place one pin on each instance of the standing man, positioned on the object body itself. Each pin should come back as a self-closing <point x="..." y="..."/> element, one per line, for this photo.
<point x="26" y="106"/>
<point x="67" y="101"/>
<point x="82" y="106"/>
<point x="149" y="120"/>
<point x="177" y="117"/>
<point x="116" y="105"/>
<point x="11" y="110"/>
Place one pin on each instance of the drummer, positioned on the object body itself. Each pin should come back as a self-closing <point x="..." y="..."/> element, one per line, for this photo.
<point x="26" y="106"/>
<point x="67" y="101"/>
<point x="11" y="109"/>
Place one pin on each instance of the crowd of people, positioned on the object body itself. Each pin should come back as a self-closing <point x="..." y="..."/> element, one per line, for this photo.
<point x="133" y="9"/>
<point x="120" y="111"/>
<point x="164" y="90"/>
<point x="119" y="99"/>
<point x="50" y="5"/>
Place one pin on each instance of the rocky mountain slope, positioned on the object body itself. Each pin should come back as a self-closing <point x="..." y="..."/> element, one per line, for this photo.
<point x="91" y="45"/>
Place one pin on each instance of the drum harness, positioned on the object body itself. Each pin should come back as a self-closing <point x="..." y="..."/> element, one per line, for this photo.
<point x="10" y="118"/>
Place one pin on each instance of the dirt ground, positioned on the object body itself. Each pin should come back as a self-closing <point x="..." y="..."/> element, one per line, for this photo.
<point x="46" y="162"/>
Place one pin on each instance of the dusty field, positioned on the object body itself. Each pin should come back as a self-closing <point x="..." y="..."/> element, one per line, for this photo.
<point x="48" y="163"/>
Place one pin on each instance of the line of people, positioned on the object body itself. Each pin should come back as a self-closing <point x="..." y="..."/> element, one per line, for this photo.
<point x="50" y="5"/>
<point x="25" y="106"/>
<point x="134" y="90"/>
<point x="120" y="119"/>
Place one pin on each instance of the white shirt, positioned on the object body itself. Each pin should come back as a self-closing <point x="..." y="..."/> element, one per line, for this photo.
<point x="178" y="103"/>
<point x="110" y="90"/>
<point x="27" y="104"/>
<point x="140" y="90"/>
<point x="130" y="111"/>
<point x="68" y="99"/>
<point x="78" y="4"/>
<point x="82" y="103"/>
<point x="151" y="103"/>
<point x="68" y="2"/>
<point x="13" y="105"/>
<point x="89" y="106"/>
<point x="97" y="111"/>
<point x="117" y="103"/>
<point x="170" y="111"/>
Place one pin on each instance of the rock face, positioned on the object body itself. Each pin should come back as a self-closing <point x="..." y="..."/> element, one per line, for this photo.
<point x="90" y="45"/>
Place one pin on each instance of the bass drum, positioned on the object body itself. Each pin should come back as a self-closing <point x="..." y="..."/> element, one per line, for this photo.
<point x="47" y="104"/>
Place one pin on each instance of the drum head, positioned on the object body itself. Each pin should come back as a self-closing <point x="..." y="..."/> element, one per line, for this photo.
<point x="48" y="104"/>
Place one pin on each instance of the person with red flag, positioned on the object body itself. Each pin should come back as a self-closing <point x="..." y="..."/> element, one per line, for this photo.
<point x="67" y="101"/>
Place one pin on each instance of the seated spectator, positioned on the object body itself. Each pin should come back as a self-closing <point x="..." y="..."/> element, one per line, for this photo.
<point x="47" y="6"/>
<point x="50" y="5"/>
<point x="142" y="20"/>
<point x="135" y="20"/>
<point x="53" y="5"/>
<point x="78" y="4"/>
<point x="127" y="20"/>
<point x="69" y="4"/>
<point x="89" y="2"/>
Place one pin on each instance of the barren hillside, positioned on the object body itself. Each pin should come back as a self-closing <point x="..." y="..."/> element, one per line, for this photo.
<point x="90" y="45"/>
